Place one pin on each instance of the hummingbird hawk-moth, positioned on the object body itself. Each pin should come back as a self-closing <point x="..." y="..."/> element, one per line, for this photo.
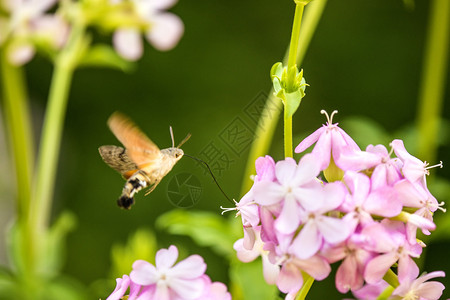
<point x="141" y="163"/>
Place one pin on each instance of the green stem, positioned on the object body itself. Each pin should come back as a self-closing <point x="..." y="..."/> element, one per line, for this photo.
<point x="18" y="118"/>
<point x="287" y="135"/>
<point x="433" y="83"/>
<point x="295" y="36"/>
<point x="308" y="282"/>
<point x="293" y="50"/>
<point x="52" y="129"/>
<point x="391" y="278"/>
<point x="271" y="112"/>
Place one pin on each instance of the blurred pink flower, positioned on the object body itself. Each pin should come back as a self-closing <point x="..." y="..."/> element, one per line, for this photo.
<point x="164" y="29"/>
<point x="28" y="24"/>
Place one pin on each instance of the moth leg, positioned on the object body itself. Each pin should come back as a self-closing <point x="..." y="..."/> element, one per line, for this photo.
<point x="152" y="188"/>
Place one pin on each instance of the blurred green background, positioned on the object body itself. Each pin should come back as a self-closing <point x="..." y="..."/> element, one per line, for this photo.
<point x="364" y="60"/>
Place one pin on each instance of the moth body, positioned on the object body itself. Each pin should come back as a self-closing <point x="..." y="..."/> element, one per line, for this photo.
<point x="141" y="162"/>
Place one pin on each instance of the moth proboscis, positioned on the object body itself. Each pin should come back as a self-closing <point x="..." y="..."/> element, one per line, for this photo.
<point x="141" y="163"/>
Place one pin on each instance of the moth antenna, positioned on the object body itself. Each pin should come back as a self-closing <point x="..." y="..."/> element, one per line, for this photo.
<point x="212" y="175"/>
<point x="171" y="136"/>
<point x="184" y="140"/>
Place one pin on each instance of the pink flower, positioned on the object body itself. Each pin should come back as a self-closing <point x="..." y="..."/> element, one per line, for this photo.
<point x="349" y="275"/>
<point x="270" y="270"/>
<point x="180" y="280"/>
<point x="121" y="288"/>
<point x="318" y="226"/>
<point x="389" y="239"/>
<point x="386" y="169"/>
<point x="331" y="140"/>
<point x="28" y="25"/>
<point x="419" y="288"/>
<point x="290" y="280"/>
<point x="413" y="168"/>
<point x="169" y="281"/>
<point x="164" y="29"/>
<point x="214" y="290"/>
<point x="362" y="202"/>
<point x="296" y="187"/>
<point x="371" y="291"/>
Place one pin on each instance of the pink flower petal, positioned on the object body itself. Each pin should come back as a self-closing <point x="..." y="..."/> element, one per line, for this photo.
<point x="333" y="230"/>
<point x="268" y="193"/>
<point x="347" y="276"/>
<point x="270" y="270"/>
<point x="407" y="268"/>
<point x="315" y="266"/>
<point x="128" y="43"/>
<point x="19" y="54"/>
<point x="187" y="289"/>
<point x="166" y="258"/>
<point x="285" y="170"/>
<point x="383" y="202"/>
<point x="308" y="241"/>
<point x="144" y="273"/>
<point x="265" y="168"/>
<point x="290" y="278"/>
<point x="322" y="150"/>
<point x="162" y="4"/>
<point x="121" y="288"/>
<point x="189" y="268"/>
<point x="166" y="31"/>
<point x="243" y="254"/>
<point x="378" y="266"/>
<point x="309" y="140"/>
<point x="289" y="219"/>
<point x="431" y="290"/>
<point x="308" y="168"/>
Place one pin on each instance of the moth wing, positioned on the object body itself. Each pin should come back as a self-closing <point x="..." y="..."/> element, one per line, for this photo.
<point x="117" y="158"/>
<point x="140" y="149"/>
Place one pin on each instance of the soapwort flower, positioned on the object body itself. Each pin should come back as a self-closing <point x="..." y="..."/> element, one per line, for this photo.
<point x="185" y="280"/>
<point x="365" y="216"/>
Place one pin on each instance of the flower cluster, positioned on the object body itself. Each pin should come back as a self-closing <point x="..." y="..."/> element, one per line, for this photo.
<point x="185" y="280"/>
<point x="26" y="25"/>
<point x="364" y="214"/>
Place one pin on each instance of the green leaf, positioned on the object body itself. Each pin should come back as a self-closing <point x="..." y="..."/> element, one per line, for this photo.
<point x="248" y="282"/>
<point x="141" y="245"/>
<point x="105" y="56"/>
<point x="205" y="228"/>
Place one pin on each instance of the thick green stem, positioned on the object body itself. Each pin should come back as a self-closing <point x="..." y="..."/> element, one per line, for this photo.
<point x="18" y="119"/>
<point x="272" y="109"/>
<point x="50" y="144"/>
<point x="434" y="74"/>
<point x="52" y="130"/>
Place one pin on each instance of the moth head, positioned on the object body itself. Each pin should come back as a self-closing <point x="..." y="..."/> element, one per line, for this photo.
<point x="176" y="153"/>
